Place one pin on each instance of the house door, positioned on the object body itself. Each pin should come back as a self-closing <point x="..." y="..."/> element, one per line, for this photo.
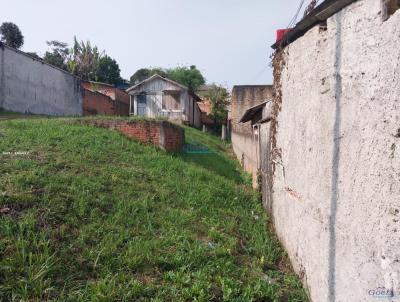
<point x="142" y="105"/>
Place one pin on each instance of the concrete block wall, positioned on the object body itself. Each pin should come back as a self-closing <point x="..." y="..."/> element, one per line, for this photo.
<point x="336" y="186"/>
<point x="243" y="98"/>
<point x="28" y="85"/>
<point x="162" y="134"/>
<point x="245" y="147"/>
<point x="244" y="144"/>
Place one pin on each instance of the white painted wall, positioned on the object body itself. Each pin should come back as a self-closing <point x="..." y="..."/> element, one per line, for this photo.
<point x="336" y="197"/>
<point x="28" y="85"/>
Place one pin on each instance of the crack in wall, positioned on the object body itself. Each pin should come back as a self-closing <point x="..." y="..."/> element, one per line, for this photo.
<point x="335" y="159"/>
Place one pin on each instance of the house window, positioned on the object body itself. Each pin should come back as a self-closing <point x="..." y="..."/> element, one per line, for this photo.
<point x="389" y="7"/>
<point x="142" y="104"/>
<point x="171" y="101"/>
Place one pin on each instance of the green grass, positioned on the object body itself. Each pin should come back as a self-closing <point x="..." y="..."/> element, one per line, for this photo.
<point x="89" y="215"/>
<point x="4" y="113"/>
<point x="7" y="115"/>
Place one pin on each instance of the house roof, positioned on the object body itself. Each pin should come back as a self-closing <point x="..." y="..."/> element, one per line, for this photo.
<point x="156" y="76"/>
<point x="251" y="112"/>
<point x="252" y="86"/>
<point x="205" y="87"/>
<point x="205" y="106"/>
<point x="321" y="13"/>
<point x="195" y="96"/>
<point x="97" y="92"/>
<point x="100" y="83"/>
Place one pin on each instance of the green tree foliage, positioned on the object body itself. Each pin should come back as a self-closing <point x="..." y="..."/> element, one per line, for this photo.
<point x="144" y="73"/>
<point x="108" y="71"/>
<point x="219" y="98"/>
<point x="58" y="54"/>
<point x="11" y="35"/>
<point x="84" y="60"/>
<point x="191" y="77"/>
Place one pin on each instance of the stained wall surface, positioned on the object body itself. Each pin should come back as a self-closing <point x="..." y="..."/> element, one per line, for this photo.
<point x="28" y="85"/>
<point x="336" y="186"/>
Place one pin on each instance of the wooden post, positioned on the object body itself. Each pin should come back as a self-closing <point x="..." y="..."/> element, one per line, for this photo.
<point x="223" y="136"/>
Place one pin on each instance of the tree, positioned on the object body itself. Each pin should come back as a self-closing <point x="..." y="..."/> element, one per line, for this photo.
<point x="219" y="98"/>
<point x="145" y="73"/>
<point x="84" y="60"/>
<point x="108" y="71"/>
<point x="58" y="54"/>
<point x="190" y="77"/>
<point x="11" y="35"/>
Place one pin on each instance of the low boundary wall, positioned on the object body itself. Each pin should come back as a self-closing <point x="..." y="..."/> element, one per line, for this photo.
<point x="162" y="134"/>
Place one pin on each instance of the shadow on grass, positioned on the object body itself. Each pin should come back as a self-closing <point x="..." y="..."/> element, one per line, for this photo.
<point x="214" y="163"/>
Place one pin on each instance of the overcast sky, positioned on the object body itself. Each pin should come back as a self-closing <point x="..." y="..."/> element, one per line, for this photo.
<point x="228" y="40"/>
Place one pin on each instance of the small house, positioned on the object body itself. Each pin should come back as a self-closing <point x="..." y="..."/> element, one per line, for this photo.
<point x="161" y="97"/>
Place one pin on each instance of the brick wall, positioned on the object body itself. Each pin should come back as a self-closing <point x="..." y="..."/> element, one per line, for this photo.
<point x="97" y="103"/>
<point x="162" y="134"/>
<point x="172" y="137"/>
<point x="121" y="98"/>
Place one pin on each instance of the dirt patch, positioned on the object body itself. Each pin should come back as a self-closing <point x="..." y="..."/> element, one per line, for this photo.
<point x="13" y="211"/>
<point x="398" y="133"/>
<point x="217" y="293"/>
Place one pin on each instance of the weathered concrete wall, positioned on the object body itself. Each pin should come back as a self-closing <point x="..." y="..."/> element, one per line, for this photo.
<point x="336" y="187"/>
<point x="28" y="85"/>
<point x="243" y="142"/>
<point x="243" y="98"/>
<point x="246" y="149"/>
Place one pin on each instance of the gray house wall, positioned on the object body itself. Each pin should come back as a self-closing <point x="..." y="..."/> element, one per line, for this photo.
<point x="154" y="88"/>
<point x="28" y="85"/>
<point x="336" y="183"/>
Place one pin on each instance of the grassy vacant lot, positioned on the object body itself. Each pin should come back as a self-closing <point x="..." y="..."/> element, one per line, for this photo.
<point x="89" y="215"/>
